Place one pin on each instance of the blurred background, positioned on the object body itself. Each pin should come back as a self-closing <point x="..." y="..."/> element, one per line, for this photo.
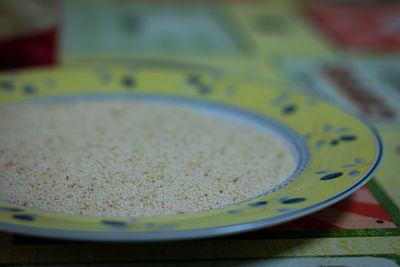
<point x="45" y="32"/>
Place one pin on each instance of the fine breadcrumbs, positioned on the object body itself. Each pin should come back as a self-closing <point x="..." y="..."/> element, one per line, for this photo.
<point x="117" y="158"/>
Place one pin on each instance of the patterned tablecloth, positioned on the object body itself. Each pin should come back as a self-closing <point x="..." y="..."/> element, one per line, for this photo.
<point x="348" y="54"/>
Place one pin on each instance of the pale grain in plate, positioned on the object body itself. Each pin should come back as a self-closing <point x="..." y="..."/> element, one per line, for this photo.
<point x="119" y="158"/>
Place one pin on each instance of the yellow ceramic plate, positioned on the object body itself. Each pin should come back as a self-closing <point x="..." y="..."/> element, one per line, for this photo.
<point x="336" y="153"/>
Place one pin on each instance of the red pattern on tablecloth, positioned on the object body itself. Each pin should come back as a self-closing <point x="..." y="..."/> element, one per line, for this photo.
<point x="359" y="211"/>
<point x="367" y="27"/>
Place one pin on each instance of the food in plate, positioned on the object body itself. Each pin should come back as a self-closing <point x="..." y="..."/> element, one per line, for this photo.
<point x="120" y="158"/>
